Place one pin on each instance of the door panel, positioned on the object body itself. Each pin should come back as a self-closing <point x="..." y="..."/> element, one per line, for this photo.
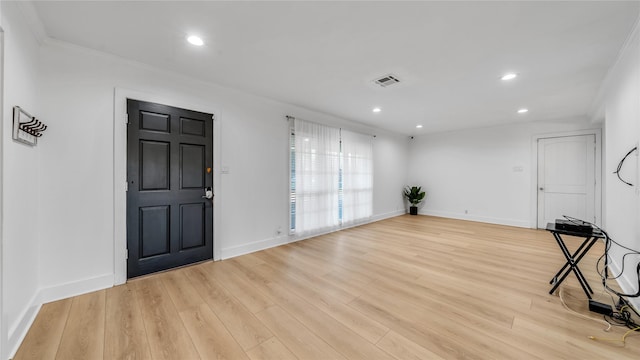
<point x="566" y="178"/>
<point x="154" y="230"/>
<point x="169" y="223"/>
<point x="193" y="225"/>
<point x="192" y="169"/>
<point x="192" y="127"/>
<point x="154" y="165"/>
<point x="154" y="121"/>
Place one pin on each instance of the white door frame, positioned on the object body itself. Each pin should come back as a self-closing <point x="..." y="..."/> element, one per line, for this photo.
<point x="533" y="216"/>
<point x="4" y="330"/>
<point x="120" y="171"/>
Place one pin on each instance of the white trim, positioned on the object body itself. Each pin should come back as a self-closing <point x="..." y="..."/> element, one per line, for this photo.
<point x="120" y="171"/>
<point x="255" y="246"/>
<point x="16" y="335"/>
<point x="483" y="219"/>
<point x="3" y="318"/>
<point x="533" y="214"/>
<point x="44" y="295"/>
<point x="217" y="188"/>
<point x="625" y="285"/>
<point x="287" y="239"/>
<point x="31" y="17"/>
<point x="387" y="215"/>
<point x="598" y="105"/>
<point x="74" y="288"/>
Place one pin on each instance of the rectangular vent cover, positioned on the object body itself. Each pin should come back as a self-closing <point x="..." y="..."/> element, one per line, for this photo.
<point x="387" y="80"/>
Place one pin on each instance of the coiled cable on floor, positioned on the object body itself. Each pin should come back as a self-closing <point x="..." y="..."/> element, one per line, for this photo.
<point x="581" y="315"/>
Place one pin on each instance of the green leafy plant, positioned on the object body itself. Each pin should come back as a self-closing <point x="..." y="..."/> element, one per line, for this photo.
<point x="414" y="194"/>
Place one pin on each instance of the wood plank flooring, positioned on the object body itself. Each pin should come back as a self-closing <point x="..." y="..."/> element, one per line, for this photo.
<point x="410" y="287"/>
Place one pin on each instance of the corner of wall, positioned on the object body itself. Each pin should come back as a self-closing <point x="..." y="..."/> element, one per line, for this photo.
<point x="621" y="208"/>
<point x="16" y="335"/>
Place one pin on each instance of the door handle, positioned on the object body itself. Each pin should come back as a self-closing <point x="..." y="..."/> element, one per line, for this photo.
<point x="541" y="189"/>
<point x="208" y="193"/>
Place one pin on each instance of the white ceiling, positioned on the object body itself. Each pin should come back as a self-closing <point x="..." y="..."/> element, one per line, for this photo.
<point x="324" y="55"/>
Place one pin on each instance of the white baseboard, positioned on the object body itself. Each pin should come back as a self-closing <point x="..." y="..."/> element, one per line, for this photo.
<point x="484" y="219"/>
<point x="259" y="245"/>
<point x="49" y="294"/>
<point x="67" y="290"/>
<point x="387" y="215"/>
<point x="254" y="246"/>
<point x="18" y="332"/>
<point x="635" y="303"/>
<point x="625" y="285"/>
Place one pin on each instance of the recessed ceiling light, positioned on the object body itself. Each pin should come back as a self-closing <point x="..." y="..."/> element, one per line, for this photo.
<point x="418" y="126"/>
<point x="377" y="110"/>
<point x="195" y="40"/>
<point x="509" y="76"/>
<point x="522" y="111"/>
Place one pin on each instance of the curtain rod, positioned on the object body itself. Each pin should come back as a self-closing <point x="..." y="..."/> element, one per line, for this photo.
<point x="288" y="117"/>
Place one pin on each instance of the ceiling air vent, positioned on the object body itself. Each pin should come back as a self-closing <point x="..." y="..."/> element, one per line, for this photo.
<point x="386" y="80"/>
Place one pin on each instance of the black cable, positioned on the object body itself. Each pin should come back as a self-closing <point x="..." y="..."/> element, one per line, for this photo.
<point x="613" y="320"/>
<point x="622" y="317"/>
<point x="582" y="222"/>
<point x="633" y="251"/>
<point x="621" y="270"/>
<point x="608" y="242"/>
<point x="604" y="278"/>
<point x="637" y="294"/>
<point x="617" y="172"/>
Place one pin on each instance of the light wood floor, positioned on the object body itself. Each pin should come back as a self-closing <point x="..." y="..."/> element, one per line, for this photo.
<point x="410" y="287"/>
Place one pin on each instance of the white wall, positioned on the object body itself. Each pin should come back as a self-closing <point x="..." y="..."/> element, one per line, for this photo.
<point x="622" y="133"/>
<point x="76" y="225"/>
<point x="487" y="172"/>
<point x="3" y="327"/>
<point x="58" y="197"/>
<point x="21" y="186"/>
<point x="58" y="234"/>
<point x="390" y="164"/>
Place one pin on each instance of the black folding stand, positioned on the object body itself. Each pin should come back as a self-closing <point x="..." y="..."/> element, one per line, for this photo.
<point x="573" y="259"/>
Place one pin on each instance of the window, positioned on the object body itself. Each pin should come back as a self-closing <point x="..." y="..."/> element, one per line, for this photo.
<point x="331" y="177"/>
<point x="357" y="177"/>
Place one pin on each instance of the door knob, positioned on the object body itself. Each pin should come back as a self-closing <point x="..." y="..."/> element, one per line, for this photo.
<point x="208" y="193"/>
<point x="541" y="189"/>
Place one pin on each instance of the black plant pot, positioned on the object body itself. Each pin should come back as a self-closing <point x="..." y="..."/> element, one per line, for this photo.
<point x="413" y="210"/>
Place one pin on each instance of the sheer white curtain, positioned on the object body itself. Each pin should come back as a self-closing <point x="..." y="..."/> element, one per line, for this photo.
<point x="357" y="176"/>
<point x="317" y="165"/>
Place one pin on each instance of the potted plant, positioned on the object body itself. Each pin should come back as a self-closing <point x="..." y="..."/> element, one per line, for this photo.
<point x="415" y="195"/>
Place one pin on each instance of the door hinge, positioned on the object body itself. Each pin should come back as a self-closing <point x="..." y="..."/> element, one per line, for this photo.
<point x="126" y="254"/>
<point x="126" y="186"/>
<point x="126" y="119"/>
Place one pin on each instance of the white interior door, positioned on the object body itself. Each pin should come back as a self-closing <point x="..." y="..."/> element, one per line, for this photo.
<point x="566" y="178"/>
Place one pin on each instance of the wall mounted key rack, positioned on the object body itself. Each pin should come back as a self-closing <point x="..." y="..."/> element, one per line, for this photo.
<point x="26" y="128"/>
